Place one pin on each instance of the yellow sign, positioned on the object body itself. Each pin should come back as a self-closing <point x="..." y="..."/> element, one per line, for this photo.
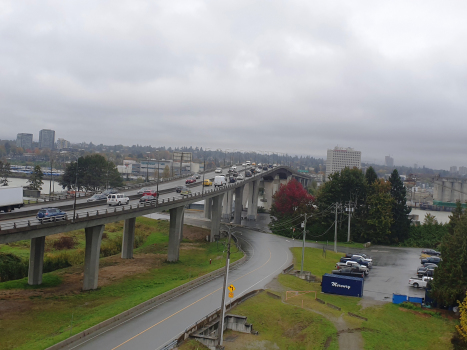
<point x="231" y="288"/>
<point x="231" y="295"/>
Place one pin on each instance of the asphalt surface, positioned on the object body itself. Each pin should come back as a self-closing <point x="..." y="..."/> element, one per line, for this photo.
<point x="267" y="255"/>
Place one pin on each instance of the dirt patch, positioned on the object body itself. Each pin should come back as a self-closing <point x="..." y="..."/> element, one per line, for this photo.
<point x="421" y="314"/>
<point x="275" y="286"/>
<point x="295" y="330"/>
<point x="111" y="269"/>
<point x="368" y="302"/>
<point x="194" y="234"/>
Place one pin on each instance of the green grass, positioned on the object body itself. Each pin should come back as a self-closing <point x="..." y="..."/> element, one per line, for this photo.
<point x="285" y="325"/>
<point x="315" y="261"/>
<point x="330" y="244"/>
<point x="46" y="320"/>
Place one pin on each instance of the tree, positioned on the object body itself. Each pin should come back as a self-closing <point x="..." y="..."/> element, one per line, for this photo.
<point x="166" y="173"/>
<point x="5" y="173"/>
<point x="35" y="179"/>
<point x="462" y="326"/>
<point x="289" y="202"/>
<point x="400" y="210"/>
<point x="450" y="280"/>
<point x="371" y="176"/>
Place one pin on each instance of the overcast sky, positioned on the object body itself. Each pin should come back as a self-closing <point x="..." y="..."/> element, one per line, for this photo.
<point x="383" y="77"/>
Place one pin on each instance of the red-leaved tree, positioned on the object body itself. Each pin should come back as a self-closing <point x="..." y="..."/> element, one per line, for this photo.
<point x="289" y="202"/>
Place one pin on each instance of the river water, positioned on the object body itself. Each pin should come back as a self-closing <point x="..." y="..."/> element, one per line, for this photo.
<point x="16" y="182"/>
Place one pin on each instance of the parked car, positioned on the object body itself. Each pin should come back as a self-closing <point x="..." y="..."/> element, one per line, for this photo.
<point x="178" y="189"/>
<point x="363" y="256"/>
<point x="369" y="264"/>
<point x="117" y="199"/>
<point x="240" y="177"/>
<point x="218" y="170"/>
<point x="185" y="191"/>
<point x="97" y="197"/>
<point x="142" y="190"/>
<point x="348" y="272"/>
<point x="190" y="180"/>
<point x="431" y="252"/>
<point x="248" y="174"/>
<point x="423" y="270"/>
<point x="431" y="259"/>
<point x="420" y="282"/>
<point x="151" y="193"/>
<point x="50" y="214"/>
<point x="361" y="268"/>
<point x="146" y="199"/>
<point x="219" y="181"/>
<point x="110" y="191"/>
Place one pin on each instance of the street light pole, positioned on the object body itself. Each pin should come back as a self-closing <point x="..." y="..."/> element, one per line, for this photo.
<point x="76" y="188"/>
<point x="226" y="276"/>
<point x="157" y="188"/>
<point x="147" y="168"/>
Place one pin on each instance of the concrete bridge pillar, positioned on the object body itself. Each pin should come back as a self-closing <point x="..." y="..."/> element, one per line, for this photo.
<point x="253" y="205"/>
<point x="216" y="215"/>
<point x="227" y="205"/>
<point x="36" y="261"/>
<point x="208" y="208"/>
<point x="238" y="204"/>
<point x="276" y="183"/>
<point x="246" y="194"/>
<point x="268" y="193"/>
<point x="91" y="256"/>
<point x="175" y="233"/>
<point x="128" y="240"/>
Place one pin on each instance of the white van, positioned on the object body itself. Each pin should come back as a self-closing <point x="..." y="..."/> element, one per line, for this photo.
<point x="248" y="162"/>
<point x="219" y="181"/>
<point x="117" y="199"/>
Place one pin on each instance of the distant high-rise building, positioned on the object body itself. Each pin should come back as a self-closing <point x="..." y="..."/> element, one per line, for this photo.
<point x="389" y="161"/>
<point x="415" y="166"/>
<point x="62" y="143"/>
<point x="339" y="158"/>
<point x="453" y="170"/>
<point x="462" y="170"/>
<point x="47" y="138"/>
<point x="24" y="141"/>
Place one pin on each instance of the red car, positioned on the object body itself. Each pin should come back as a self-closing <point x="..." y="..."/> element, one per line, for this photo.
<point x="151" y="193"/>
<point x="190" y="180"/>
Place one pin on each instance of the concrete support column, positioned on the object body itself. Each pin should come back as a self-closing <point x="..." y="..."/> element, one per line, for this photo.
<point x="128" y="240"/>
<point x="227" y="205"/>
<point x="276" y="184"/>
<point x="91" y="256"/>
<point x="175" y="233"/>
<point x="246" y="191"/>
<point x="216" y="215"/>
<point x="208" y="208"/>
<point x="268" y="192"/>
<point x="36" y="261"/>
<point x="238" y="205"/>
<point x="253" y="206"/>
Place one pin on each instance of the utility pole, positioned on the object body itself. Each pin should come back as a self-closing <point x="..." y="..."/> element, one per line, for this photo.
<point x="226" y="276"/>
<point x="335" y="231"/>
<point x="350" y="209"/>
<point x="303" y="247"/>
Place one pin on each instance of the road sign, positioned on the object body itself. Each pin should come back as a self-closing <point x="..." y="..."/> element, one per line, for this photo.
<point x="231" y="288"/>
<point x="231" y="295"/>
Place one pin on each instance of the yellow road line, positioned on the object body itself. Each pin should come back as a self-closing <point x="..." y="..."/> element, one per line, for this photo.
<point x="186" y="307"/>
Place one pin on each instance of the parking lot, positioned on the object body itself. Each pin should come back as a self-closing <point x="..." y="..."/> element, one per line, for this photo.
<point x="392" y="269"/>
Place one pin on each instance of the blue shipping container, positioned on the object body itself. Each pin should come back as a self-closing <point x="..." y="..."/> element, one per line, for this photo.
<point x="399" y="298"/>
<point x="343" y="285"/>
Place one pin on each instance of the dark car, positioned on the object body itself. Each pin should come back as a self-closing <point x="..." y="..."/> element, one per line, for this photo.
<point x="431" y="252"/>
<point x="270" y="166"/>
<point x="50" y="214"/>
<point x="190" y="180"/>
<point x="147" y="199"/>
<point x="233" y="179"/>
<point x="197" y="176"/>
<point x="97" y="197"/>
<point x="110" y="191"/>
<point x="248" y="174"/>
<point x="349" y="272"/>
<point x="151" y="193"/>
<point x="265" y="167"/>
<point x="426" y="270"/>
<point x="178" y="189"/>
<point x="431" y="259"/>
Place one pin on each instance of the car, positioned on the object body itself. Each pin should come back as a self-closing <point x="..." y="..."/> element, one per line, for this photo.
<point x="431" y="252"/>
<point x="258" y="170"/>
<point x="146" y="198"/>
<point x="190" y="180"/>
<point x="248" y="162"/>
<point x="243" y="164"/>
<point x="142" y="190"/>
<point x="349" y="271"/>
<point x="431" y="259"/>
<point x="265" y="168"/>
<point x="97" y="197"/>
<point x="178" y="189"/>
<point x="151" y="193"/>
<point x="185" y="191"/>
<point x="363" y="257"/>
<point x="248" y="174"/>
<point x="252" y="171"/>
<point x="207" y="182"/>
<point x="274" y="165"/>
<point x="218" y="170"/>
<point x="197" y="176"/>
<point x="235" y="174"/>
<point x="270" y="166"/>
<point x="117" y="199"/>
<point x="240" y="177"/>
<point x="110" y="191"/>
<point x="50" y="214"/>
<point x="233" y="179"/>
<point x="361" y="268"/>
<point x="233" y="167"/>
<point x="420" y="282"/>
<point x="219" y="181"/>
<point x="426" y="271"/>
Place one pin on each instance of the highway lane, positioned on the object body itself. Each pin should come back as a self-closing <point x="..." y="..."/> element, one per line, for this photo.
<point x="267" y="256"/>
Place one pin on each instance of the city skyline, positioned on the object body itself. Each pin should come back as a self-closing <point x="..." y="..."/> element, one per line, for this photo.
<point x="305" y="77"/>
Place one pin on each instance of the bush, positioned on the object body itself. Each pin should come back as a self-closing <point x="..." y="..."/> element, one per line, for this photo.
<point x="12" y="267"/>
<point x="56" y="262"/>
<point x="65" y="242"/>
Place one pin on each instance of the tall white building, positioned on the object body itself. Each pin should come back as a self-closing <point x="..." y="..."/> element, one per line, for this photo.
<point x="339" y="158"/>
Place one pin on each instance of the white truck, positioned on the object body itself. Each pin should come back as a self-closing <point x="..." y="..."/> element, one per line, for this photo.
<point x="10" y="198"/>
<point x="219" y="181"/>
<point x="417" y="282"/>
<point x="117" y="199"/>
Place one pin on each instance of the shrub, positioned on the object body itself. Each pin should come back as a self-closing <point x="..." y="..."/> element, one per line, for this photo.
<point x="65" y="242"/>
<point x="56" y="262"/>
<point x="12" y="267"/>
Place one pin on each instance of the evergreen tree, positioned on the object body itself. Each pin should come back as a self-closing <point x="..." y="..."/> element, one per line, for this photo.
<point x="35" y="179"/>
<point x="5" y="173"/>
<point x="400" y="210"/>
<point x="371" y="176"/>
<point x="455" y="217"/>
